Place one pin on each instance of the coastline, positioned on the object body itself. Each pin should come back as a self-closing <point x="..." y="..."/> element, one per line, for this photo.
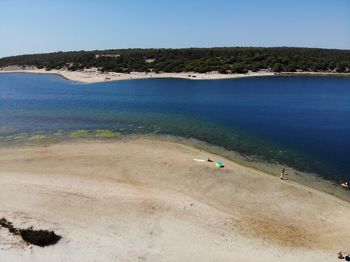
<point x="133" y="186"/>
<point x="313" y="74"/>
<point x="311" y="180"/>
<point x="94" y="76"/>
<point x="89" y="76"/>
<point x="272" y="168"/>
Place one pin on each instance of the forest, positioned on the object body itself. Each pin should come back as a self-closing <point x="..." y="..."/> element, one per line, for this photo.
<point x="221" y="59"/>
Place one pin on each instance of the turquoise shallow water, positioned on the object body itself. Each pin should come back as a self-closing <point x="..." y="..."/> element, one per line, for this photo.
<point x="302" y="122"/>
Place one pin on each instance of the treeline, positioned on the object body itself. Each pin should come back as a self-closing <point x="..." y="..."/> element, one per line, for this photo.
<point x="201" y="60"/>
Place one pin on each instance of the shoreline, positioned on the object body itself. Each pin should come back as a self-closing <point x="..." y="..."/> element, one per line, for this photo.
<point x="310" y="180"/>
<point x="301" y="178"/>
<point x="94" y="76"/>
<point x="90" y="76"/>
<point x="133" y="186"/>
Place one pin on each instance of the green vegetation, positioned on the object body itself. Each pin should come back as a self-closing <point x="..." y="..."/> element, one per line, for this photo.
<point x="223" y="60"/>
<point x="80" y="134"/>
<point x="100" y="133"/>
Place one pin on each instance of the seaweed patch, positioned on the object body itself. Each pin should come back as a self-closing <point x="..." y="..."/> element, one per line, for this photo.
<point x="40" y="238"/>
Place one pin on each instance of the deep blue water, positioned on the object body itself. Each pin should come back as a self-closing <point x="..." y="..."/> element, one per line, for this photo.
<point x="300" y="121"/>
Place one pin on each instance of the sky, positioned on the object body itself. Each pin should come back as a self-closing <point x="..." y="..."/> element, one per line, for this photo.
<point x="37" y="26"/>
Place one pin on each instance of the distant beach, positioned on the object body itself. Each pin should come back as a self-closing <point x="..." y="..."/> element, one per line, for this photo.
<point x="95" y="76"/>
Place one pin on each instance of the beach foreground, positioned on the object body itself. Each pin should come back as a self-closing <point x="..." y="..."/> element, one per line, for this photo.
<point x="140" y="199"/>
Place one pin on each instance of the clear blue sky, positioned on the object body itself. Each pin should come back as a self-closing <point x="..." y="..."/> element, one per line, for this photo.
<point x="33" y="26"/>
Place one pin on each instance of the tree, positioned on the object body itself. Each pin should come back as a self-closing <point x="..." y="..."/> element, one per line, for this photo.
<point x="238" y="69"/>
<point x="340" y="68"/>
<point x="226" y="59"/>
<point x="291" y="68"/>
<point x="224" y="69"/>
<point x="277" y="67"/>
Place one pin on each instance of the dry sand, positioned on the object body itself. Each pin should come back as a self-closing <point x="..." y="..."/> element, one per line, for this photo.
<point x="140" y="199"/>
<point x="95" y="76"/>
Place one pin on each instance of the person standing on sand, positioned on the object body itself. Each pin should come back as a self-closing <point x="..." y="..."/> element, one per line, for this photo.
<point x="282" y="174"/>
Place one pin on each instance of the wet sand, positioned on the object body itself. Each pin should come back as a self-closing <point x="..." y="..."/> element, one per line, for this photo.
<point x="142" y="199"/>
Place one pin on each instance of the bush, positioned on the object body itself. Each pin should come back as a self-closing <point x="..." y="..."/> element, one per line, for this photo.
<point x="238" y="69"/>
<point x="340" y="68"/>
<point x="277" y="68"/>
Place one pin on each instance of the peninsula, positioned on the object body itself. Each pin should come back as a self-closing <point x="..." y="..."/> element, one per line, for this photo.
<point x="189" y="63"/>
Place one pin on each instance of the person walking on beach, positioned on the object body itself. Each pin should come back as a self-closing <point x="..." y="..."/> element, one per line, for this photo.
<point x="282" y="174"/>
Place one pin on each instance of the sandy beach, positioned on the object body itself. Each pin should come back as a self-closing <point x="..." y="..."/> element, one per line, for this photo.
<point x="95" y="76"/>
<point x="142" y="199"/>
